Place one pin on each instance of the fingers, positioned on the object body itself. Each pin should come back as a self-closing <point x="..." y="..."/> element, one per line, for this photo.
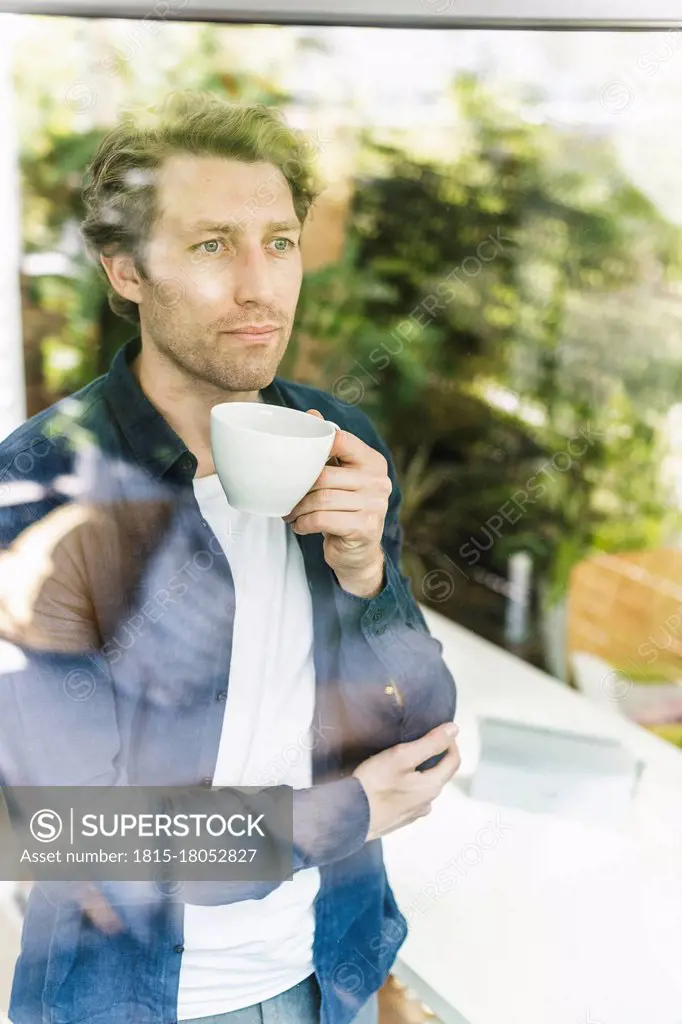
<point x="434" y="742"/>
<point x="353" y="526"/>
<point x="351" y="451"/>
<point x="340" y="478"/>
<point x="327" y="500"/>
<point x="339" y="489"/>
<point x="441" y="774"/>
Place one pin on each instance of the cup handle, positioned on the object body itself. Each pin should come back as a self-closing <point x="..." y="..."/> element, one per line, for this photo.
<point x="333" y="461"/>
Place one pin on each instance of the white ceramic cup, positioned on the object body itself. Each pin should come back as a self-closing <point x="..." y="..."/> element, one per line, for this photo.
<point x="267" y="457"/>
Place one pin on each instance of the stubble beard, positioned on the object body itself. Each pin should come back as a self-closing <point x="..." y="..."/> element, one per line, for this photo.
<point x="219" y="361"/>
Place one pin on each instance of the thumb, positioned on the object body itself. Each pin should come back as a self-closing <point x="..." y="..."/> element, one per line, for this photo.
<point x="434" y="742"/>
<point x="315" y="412"/>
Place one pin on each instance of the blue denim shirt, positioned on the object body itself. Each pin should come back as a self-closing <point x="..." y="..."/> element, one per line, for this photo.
<point x="141" y="702"/>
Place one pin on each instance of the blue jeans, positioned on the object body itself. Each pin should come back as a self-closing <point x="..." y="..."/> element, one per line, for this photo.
<point x="298" y="1005"/>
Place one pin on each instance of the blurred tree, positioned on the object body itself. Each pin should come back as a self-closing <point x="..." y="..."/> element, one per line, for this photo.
<point x="517" y="240"/>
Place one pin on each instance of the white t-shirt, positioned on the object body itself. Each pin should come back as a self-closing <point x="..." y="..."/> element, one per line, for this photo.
<point x="243" y="953"/>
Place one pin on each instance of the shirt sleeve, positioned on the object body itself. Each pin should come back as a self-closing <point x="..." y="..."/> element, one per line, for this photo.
<point x="390" y="629"/>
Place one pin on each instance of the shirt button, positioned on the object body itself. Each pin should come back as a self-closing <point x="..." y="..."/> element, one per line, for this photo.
<point x="380" y="630"/>
<point x="377" y="615"/>
<point x="178" y="949"/>
<point x="204" y="523"/>
<point x="222" y="695"/>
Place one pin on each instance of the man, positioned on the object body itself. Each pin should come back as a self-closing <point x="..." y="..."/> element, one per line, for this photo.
<point x="130" y="660"/>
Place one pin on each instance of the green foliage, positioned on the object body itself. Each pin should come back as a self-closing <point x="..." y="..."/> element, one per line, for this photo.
<point x="517" y="324"/>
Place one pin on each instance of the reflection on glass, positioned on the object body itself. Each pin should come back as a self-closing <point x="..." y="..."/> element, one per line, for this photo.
<point x="493" y="275"/>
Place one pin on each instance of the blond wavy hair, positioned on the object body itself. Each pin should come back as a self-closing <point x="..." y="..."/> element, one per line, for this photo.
<point x="119" y="192"/>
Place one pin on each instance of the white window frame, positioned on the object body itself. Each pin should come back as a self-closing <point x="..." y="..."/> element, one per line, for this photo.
<point x="550" y="14"/>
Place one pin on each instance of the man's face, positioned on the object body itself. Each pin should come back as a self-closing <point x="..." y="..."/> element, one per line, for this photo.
<point x="224" y="254"/>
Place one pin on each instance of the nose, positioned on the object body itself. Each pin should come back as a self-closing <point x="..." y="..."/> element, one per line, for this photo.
<point x="252" y="276"/>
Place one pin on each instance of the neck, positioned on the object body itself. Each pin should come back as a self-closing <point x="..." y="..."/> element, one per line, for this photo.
<point x="184" y="403"/>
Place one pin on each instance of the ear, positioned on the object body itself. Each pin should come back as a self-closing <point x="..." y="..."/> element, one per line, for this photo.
<point x="124" y="279"/>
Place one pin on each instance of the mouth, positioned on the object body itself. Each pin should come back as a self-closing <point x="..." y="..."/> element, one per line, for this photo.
<point x="254" y="334"/>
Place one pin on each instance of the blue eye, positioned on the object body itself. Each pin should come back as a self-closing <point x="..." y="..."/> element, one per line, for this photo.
<point x="211" y="246"/>
<point x="201" y="247"/>
<point x="211" y="241"/>
<point x="291" y="244"/>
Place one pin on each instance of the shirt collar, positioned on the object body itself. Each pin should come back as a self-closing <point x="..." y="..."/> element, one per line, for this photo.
<point x="153" y="442"/>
